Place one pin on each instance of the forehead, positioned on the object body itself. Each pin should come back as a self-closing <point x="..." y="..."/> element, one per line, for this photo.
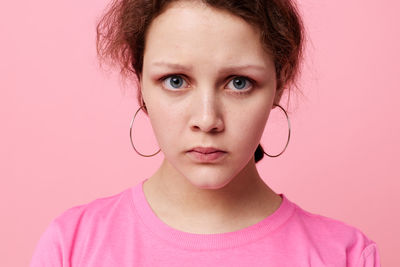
<point x="195" y="32"/>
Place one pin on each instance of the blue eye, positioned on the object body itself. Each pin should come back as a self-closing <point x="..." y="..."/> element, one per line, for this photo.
<point x="174" y="80"/>
<point x="240" y="82"/>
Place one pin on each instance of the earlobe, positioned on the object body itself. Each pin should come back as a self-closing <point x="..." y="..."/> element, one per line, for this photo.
<point x="141" y="97"/>
<point x="140" y="88"/>
<point x="143" y="104"/>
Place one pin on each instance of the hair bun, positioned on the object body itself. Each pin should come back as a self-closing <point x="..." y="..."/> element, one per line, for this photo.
<point x="259" y="154"/>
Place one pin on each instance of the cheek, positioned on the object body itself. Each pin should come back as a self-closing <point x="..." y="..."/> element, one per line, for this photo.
<point x="165" y="123"/>
<point x="249" y="126"/>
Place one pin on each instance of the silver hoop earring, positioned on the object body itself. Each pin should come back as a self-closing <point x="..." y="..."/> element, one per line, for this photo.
<point x="287" y="143"/>
<point x="130" y="136"/>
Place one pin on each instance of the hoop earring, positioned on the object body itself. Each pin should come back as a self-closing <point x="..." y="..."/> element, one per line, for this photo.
<point x="130" y="136"/>
<point x="287" y="143"/>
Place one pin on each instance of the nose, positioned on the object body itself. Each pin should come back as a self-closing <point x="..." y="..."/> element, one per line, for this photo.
<point x="206" y="113"/>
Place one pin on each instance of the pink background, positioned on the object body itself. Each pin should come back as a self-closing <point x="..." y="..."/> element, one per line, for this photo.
<point x="65" y="123"/>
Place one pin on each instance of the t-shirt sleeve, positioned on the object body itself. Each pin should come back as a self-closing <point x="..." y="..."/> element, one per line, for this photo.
<point x="370" y="256"/>
<point x="48" y="251"/>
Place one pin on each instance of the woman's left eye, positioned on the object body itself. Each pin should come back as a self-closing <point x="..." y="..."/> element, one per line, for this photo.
<point x="241" y="84"/>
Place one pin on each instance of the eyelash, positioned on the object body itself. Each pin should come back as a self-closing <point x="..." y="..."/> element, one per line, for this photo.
<point x="248" y="91"/>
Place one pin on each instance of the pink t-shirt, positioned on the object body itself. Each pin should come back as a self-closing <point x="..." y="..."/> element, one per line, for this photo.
<point x="122" y="230"/>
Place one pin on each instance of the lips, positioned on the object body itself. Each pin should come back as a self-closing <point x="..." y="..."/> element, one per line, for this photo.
<point x="206" y="154"/>
<point x="206" y="150"/>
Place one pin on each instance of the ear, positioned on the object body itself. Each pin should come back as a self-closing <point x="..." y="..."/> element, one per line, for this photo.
<point x="140" y="85"/>
<point x="278" y="96"/>
<point x="140" y="88"/>
<point x="140" y="80"/>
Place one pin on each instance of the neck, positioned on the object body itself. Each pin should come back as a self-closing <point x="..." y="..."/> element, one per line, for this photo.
<point x="246" y="196"/>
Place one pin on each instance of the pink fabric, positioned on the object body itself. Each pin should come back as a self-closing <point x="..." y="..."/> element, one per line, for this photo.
<point x="122" y="230"/>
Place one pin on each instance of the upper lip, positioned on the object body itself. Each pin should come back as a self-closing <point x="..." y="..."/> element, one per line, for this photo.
<point x="206" y="150"/>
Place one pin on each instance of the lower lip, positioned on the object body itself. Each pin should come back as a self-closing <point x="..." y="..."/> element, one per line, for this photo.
<point x="210" y="157"/>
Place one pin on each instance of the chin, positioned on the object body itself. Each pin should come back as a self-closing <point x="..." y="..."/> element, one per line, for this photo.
<point x="209" y="183"/>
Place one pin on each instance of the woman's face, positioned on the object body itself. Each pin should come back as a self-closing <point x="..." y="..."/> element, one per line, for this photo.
<point x="206" y="81"/>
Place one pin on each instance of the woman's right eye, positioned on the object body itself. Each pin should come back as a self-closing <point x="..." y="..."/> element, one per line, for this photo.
<point x="173" y="82"/>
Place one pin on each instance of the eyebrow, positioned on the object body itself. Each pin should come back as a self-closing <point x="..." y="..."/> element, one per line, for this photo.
<point x="180" y="67"/>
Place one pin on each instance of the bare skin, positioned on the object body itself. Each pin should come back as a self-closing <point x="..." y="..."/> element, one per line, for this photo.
<point x="241" y="203"/>
<point x="207" y="110"/>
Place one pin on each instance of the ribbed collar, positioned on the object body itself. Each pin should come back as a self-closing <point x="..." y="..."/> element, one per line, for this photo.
<point x="208" y="241"/>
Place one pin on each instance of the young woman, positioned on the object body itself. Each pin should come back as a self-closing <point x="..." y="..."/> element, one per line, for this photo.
<point x="209" y="73"/>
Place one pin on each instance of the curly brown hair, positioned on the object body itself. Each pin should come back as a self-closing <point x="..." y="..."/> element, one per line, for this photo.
<point x="121" y="33"/>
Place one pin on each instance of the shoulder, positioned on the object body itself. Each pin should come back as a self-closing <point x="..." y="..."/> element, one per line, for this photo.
<point x="324" y="226"/>
<point x="98" y="208"/>
<point x="69" y="235"/>
<point x="333" y="236"/>
<point x="95" y="213"/>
